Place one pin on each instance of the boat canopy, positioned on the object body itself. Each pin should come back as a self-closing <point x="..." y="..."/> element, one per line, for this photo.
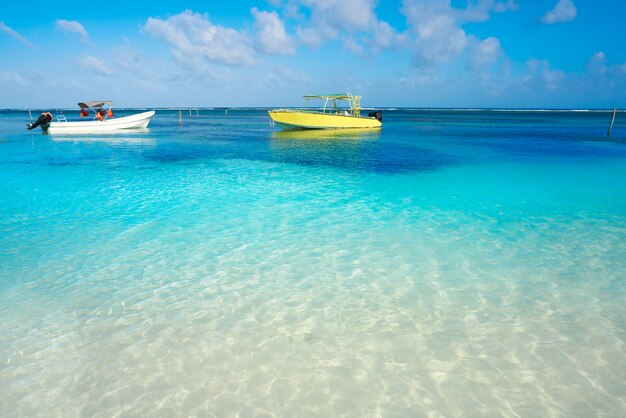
<point x="340" y="96"/>
<point x="332" y="99"/>
<point x="95" y="104"/>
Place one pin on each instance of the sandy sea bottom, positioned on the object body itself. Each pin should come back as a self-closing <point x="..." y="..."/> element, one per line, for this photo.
<point x="230" y="286"/>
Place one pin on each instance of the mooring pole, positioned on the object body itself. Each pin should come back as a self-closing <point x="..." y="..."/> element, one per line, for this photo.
<point x="611" y="125"/>
<point x="180" y="117"/>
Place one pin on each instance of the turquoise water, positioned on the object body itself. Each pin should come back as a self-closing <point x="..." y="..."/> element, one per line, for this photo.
<point x="454" y="263"/>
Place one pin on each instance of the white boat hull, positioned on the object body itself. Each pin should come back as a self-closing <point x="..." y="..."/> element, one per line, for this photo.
<point x="140" y="120"/>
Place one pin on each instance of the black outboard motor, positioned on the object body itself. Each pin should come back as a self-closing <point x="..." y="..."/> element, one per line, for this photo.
<point x="377" y="114"/>
<point x="44" y="119"/>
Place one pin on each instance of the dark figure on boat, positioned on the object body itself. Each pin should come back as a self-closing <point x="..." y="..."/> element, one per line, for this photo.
<point x="44" y="119"/>
<point x="376" y="114"/>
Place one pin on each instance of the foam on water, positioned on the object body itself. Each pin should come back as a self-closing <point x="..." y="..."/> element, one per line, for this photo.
<point x="446" y="267"/>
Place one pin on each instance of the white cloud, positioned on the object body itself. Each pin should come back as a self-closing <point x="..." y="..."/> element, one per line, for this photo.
<point x="271" y="37"/>
<point x="353" y="46"/>
<point x="283" y="75"/>
<point x="483" y="54"/>
<point x="128" y="59"/>
<point x="598" y="66"/>
<point x="382" y="36"/>
<point x="330" y="18"/>
<point x="315" y="37"/>
<point x="94" y="65"/>
<point x="291" y="10"/>
<point x="564" y="11"/>
<point x="13" y="34"/>
<point x="541" y="74"/>
<point x="480" y="10"/>
<point x="342" y="14"/>
<point x="10" y="77"/>
<point x="192" y="35"/>
<point x="437" y="36"/>
<point x="73" y="26"/>
<point x="193" y="66"/>
<point x="597" y="63"/>
<point x="505" y="6"/>
<point x="385" y="35"/>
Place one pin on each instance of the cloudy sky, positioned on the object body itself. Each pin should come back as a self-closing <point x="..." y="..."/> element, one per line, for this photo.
<point x="415" y="53"/>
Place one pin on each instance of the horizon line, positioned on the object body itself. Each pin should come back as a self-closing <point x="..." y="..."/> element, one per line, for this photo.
<point x="185" y="108"/>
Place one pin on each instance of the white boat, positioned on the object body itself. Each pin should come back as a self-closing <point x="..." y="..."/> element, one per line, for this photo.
<point x="103" y="124"/>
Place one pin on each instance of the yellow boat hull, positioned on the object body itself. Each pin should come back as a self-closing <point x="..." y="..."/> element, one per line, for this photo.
<point x="311" y="120"/>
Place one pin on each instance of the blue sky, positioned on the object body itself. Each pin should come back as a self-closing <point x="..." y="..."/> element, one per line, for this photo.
<point x="415" y="53"/>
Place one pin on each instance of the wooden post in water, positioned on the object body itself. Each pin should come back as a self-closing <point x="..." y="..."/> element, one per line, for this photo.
<point x="611" y="125"/>
<point x="180" y="117"/>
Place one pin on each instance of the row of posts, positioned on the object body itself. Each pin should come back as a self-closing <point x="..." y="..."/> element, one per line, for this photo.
<point x="180" y="114"/>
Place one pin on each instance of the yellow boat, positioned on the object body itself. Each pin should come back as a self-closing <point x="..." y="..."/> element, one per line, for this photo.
<point x="330" y="116"/>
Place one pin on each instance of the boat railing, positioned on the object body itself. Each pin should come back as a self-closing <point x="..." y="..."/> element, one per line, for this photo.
<point x="331" y="104"/>
<point x="61" y="118"/>
<point x="297" y="110"/>
<point x="339" y="111"/>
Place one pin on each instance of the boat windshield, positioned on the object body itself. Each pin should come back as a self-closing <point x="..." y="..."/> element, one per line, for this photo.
<point x="332" y="103"/>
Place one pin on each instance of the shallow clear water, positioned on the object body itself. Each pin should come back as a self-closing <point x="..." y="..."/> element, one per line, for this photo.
<point x="454" y="263"/>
